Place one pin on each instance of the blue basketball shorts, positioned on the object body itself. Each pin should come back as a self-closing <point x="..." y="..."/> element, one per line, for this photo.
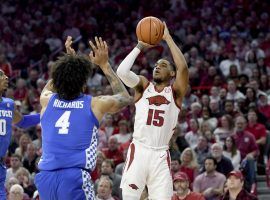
<point x="65" y="184"/>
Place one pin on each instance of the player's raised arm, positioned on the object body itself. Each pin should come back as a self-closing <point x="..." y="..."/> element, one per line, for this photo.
<point x="124" y="72"/>
<point x="182" y="78"/>
<point x="121" y="97"/>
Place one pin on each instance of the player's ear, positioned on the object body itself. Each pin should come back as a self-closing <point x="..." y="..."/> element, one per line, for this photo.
<point x="172" y="74"/>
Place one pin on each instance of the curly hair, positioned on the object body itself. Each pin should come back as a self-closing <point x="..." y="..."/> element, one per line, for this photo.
<point x="70" y="75"/>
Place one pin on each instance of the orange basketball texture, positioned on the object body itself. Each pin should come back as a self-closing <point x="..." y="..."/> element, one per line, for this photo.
<point x="150" y="30"/>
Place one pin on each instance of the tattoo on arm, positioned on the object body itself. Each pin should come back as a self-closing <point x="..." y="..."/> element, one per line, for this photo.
<point x="117" y="86"/>
<point x="122" y="101"/>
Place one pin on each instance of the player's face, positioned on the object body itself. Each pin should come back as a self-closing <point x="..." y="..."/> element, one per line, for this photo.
<point x="162" y="71"/>
<point x="3" y="81"/>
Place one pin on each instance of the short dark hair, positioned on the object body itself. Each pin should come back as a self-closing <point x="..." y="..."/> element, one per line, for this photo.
<point x="70" y="75"/>
<point x="211" y="158"/>
<point x="171" y="64"/>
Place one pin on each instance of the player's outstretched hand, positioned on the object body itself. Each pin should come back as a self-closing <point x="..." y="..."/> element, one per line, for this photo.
<point x="99" y="54"/>
<point x="166" y="34"/>
<point x="69" y="49"/>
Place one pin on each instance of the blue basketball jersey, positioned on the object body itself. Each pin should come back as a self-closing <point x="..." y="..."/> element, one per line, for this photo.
<point x="6" y="116"/>
<point x="69" y="134"/>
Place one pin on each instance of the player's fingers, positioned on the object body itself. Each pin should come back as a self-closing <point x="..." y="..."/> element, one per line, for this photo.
<point x="105" y="45"/>
<point x="68" y="41"/>
<point x="92" y="45"/>
<point x="101" y="43"/>
<point x="91" y="55"/>
<point x="97" y="42"/>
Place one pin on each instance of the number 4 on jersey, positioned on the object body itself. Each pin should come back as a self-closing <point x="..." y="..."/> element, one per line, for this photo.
<point x="63" y="123"/>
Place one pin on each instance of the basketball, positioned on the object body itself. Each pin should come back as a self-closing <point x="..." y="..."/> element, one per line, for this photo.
<point x="150" y="30"/>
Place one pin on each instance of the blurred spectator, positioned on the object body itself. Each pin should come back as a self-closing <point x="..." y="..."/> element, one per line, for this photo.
<point x="5" y="65"/>
<point x="189" y="98"/>
<point x="15" y="164"/>
<point x="259" y="132"/>
<point x="225" y="130"/>
<point x="192" y="136"/>
<point x="264" y="106"/>
<point x="123" y="136"/>
<point x="181" y="187"/>
<point x="96" y="173"/>
<point x="235" y="183"/>
<point x="16" y="192"/>
<point x="29" y="161"/>
<point x="108" y="126"/>
<point x="112" y="152"/>
<point x="24" y="141"/>
<point x="189" y="164"/>
<point x="224" y="164"/>
<point x="37" y="142"/>
<point x="175" y="166"/>
<point x="233" y="93"/>
<point x="230" y="151"/>
<point x="104" y="189"/>
<point x="107" y="168"/>
<point x="207" y="117"/>
<point x="21" y="90"/>
<point x="225" y="64"/>
<point x="202" y="150"/>
<point x="12" y="181"/>
<point x="210" y="183"/>
<point x="248" y="148"/>
<point x="23" y="176"/>
<point x="120" y="167"/>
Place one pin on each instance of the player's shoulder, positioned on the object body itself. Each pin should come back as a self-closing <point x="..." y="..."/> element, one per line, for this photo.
<point x="10" y="102"/>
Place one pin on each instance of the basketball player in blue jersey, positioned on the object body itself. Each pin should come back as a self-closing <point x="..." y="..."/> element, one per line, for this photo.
<point x="70" y="121"/>
<point x="9" y="116"/>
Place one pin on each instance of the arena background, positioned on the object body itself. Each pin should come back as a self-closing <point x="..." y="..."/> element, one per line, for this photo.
<point x="221" y="40"/>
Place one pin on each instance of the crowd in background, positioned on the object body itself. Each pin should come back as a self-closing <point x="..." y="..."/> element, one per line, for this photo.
<point x="227" y="48"/>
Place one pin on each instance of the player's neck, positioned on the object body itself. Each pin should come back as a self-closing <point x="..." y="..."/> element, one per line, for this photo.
<point x="161" y="85"/>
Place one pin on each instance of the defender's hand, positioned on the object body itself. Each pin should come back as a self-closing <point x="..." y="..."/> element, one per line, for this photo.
<point x="99" y="54"/>
<point x="69" y="49"/>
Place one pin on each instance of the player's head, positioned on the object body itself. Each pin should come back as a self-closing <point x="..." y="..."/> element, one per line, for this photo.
<point x="3" y="81"/>
<point x="70" y="75"/>
<point x="164" y="71"/>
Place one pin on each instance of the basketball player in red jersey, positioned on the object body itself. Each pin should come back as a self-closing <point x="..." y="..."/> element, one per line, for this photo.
<point x="157" y="107"/>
